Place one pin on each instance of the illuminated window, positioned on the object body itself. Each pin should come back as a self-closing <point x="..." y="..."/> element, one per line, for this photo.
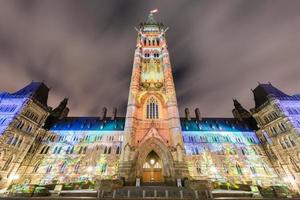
<point x="157" y="166"/>
<point x="152" y="109"/>
<point x="146" y="165"/>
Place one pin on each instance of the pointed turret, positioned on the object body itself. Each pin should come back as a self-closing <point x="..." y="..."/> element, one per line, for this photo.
<point x="56" y="114"/>
<point x="242" y="114"/>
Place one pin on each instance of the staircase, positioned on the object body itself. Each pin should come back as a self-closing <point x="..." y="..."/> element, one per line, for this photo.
<point x="152" y="192"/>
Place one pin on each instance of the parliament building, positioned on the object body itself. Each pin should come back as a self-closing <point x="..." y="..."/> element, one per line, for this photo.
<point x="152" y="143"/>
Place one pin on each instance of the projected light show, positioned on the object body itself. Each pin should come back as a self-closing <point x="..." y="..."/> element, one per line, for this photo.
<point x="71" y="131"/>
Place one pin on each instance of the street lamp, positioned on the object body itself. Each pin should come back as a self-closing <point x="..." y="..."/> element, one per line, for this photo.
<point x="15" y="177"/>
<point x="90" y="169"/>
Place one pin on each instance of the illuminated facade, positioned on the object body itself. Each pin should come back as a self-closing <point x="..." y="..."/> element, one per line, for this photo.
<point x="153" y="143"/>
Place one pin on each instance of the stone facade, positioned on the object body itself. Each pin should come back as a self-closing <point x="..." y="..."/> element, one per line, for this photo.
<point x="278" y="117"/>
<point x="152" y="144"/>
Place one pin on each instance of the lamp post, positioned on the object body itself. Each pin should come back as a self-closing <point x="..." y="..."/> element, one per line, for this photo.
<point x="89" y="170"/>
<point x="14" y="177"/>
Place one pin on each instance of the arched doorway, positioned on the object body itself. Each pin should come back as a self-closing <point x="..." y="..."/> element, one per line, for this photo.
<point x="152" y="169"/>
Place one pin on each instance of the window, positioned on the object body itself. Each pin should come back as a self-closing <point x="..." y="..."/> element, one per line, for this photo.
<point x="253" y="170"/>
<point x="157" y="166"/>
<point x="103" y="169"/>
<point x="63" y="167"/>
<point x="146" y="165"/>
<point x="10" y="140"/>
<point x="198" y="167"/>
<point x="84" y="150"/>
<point x="295" y="166"/>
<point x="76" y="168"/>
<point x="118" y="150"/>
<point x="152" y="108"/>
<point x="36" y="167"/>
<point x="49" y="168"/>
<point x="7" y="163"/>
<point x="292" y="141"/>
<point x="239" y="169"/>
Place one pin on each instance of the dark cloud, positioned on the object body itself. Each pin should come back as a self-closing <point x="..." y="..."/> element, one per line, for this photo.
<point x="84" y="49"/>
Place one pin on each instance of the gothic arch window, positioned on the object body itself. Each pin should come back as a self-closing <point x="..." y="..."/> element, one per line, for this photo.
<point x="36" y="167"/>
<point x="253" y="170"/>
<point x="103" y="168"/>
<point x="63" y="167"/>
<point x="292" y="141"/>
<point x="109" y="150"/>
<point x="43" y="149"/>
<point x="49" y="168"/>
<point x="198" y="167"/>
<point x="47" y="149"/>
<point x="146" y="165"/>
<point x="76" y="168"/>
<point x="105" y="150"/>
<point x="239" y="169"/>
<point x="118" y="150"/>
<point x="72" y="150"/>
<point x="15" y="141"/>
<point x="152" y="108"/>
<point x="157" y="166"/>
<point x="295" y="166"/>
<point x="10" y="140"/>
<point x="59" y="150"/>
<point x="84" y="150"/>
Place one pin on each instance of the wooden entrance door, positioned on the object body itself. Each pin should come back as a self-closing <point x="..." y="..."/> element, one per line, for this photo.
<point x="152" y="169"/>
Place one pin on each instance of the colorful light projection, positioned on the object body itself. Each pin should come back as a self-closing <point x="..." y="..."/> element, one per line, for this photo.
<point x="11" y="105"/>
<point x="84" y="152"/>
<point x="10" y="108"/>
<point x="225" y="152"/>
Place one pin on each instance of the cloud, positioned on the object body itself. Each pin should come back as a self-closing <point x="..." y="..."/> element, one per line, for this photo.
<point x="84" y="49"/>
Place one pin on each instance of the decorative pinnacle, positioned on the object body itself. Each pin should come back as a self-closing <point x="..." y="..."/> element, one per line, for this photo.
<point x="151" y="19"/>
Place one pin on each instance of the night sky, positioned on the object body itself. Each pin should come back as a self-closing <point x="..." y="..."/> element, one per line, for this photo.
<point x="84" y="50"/>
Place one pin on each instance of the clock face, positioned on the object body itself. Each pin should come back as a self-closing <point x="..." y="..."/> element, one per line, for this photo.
<point x="152" y="75"/>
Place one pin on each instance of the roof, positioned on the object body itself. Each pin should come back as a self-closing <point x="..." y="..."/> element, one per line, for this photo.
<point x="214" y="124"/>
<point x="89" y="124"/>
<point x="107" y="124"/>
<point x="263" y="92"/>
<point x="38" y="90"/>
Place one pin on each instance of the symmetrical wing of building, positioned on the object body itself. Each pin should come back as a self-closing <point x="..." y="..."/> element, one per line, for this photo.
<point x="152" y="142"/>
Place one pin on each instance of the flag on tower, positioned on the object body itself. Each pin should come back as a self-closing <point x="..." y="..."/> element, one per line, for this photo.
<point x="154" y="11"/>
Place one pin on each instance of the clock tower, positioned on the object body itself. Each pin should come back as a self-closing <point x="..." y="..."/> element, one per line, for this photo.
<point x="153" y="148"/>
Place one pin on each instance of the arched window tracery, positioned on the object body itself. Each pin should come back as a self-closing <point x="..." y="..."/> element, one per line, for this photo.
<point x="152" y="108"/>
